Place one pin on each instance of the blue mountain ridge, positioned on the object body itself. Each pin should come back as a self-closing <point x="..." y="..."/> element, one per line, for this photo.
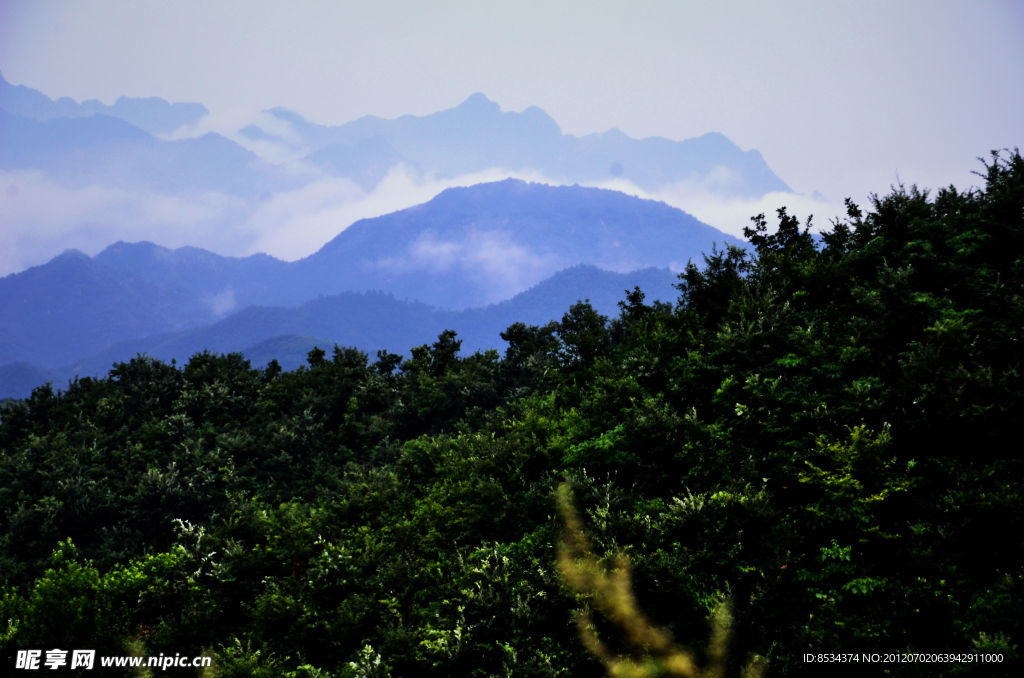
<point x="477" y="245"/>
<point x="484" y="244"/>
<point x="467" y="250"/>
<point x="152" y="114"/>
<point x="477" y="135"/>
<point x="101" y="149"/>
<point x="367" y="321"/>
<point x="89" y="143"/>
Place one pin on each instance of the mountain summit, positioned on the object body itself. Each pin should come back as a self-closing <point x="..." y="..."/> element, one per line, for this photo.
<point x="480" y="244"/>
<point x="478" y="101"/>
<point x="467" y="248"/>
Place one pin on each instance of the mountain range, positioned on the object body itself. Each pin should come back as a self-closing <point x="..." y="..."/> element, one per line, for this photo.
<point x="152" y="114"/>
<point x="474" y="258"/>
<point x="474" y="246"/>
<point x="108" y="151"/>
<point x="477" y="135"/>
<point x="368" y="321"/>
<point x="120" y="144"/>
<point x="372" y="321"/>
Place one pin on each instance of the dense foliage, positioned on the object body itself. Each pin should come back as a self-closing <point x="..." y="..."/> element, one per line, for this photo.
<point x="821" y="432"/>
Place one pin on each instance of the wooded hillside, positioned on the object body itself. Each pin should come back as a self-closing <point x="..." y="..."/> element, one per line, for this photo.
<point x="824" y="435"/>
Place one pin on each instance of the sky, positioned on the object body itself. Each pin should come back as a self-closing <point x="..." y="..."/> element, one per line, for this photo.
<point x="841" y="98"/>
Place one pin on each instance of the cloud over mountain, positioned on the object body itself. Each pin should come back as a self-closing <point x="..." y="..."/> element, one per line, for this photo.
<point x="87" y="174"/>
<point x="467" y="247"/>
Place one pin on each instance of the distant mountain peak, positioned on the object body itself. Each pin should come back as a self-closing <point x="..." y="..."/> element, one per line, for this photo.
<point x="717" y="140"/>
<point x="286" y="114"/>
<point x="71" y="253"/>
<point x="479" y="101"/>
<point x="507" y="186"/>
<point x="476" y="245"/>
<point x="124" y="247"/>
<point x="539" y="118"/>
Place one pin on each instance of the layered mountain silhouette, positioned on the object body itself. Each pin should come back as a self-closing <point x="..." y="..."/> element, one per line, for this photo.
<point x="368" y="321"/>
<point x="104" y="150"/>
<point x="458" y="261"/>
<point x="474" y="259"/>
<point x="152" y="114"/>
<point x="478" y="245"/>
<point x="477" y="135"/>
<point x="92" y="142"/>
<point x="75" y="305"/>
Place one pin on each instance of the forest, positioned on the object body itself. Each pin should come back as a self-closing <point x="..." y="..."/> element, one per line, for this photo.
<point x="815" y="449"/>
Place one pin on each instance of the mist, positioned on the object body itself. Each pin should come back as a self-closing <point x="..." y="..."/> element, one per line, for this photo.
<point x="43" y="218"/>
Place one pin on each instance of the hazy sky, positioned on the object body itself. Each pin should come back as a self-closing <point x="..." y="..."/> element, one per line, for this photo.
<point x="840" y="97"/>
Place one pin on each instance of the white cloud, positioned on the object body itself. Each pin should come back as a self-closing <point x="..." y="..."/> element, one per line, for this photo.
<point x="294" y="224"/>
<point x="502" y="267"/>
<point x="282" y="147"/>
<point x="223" y="302"/>
<point x="492" y="259"/>
<point x="732" y="216"/>
<point x="703" y="200"/>
<point x="40" y="218"/>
